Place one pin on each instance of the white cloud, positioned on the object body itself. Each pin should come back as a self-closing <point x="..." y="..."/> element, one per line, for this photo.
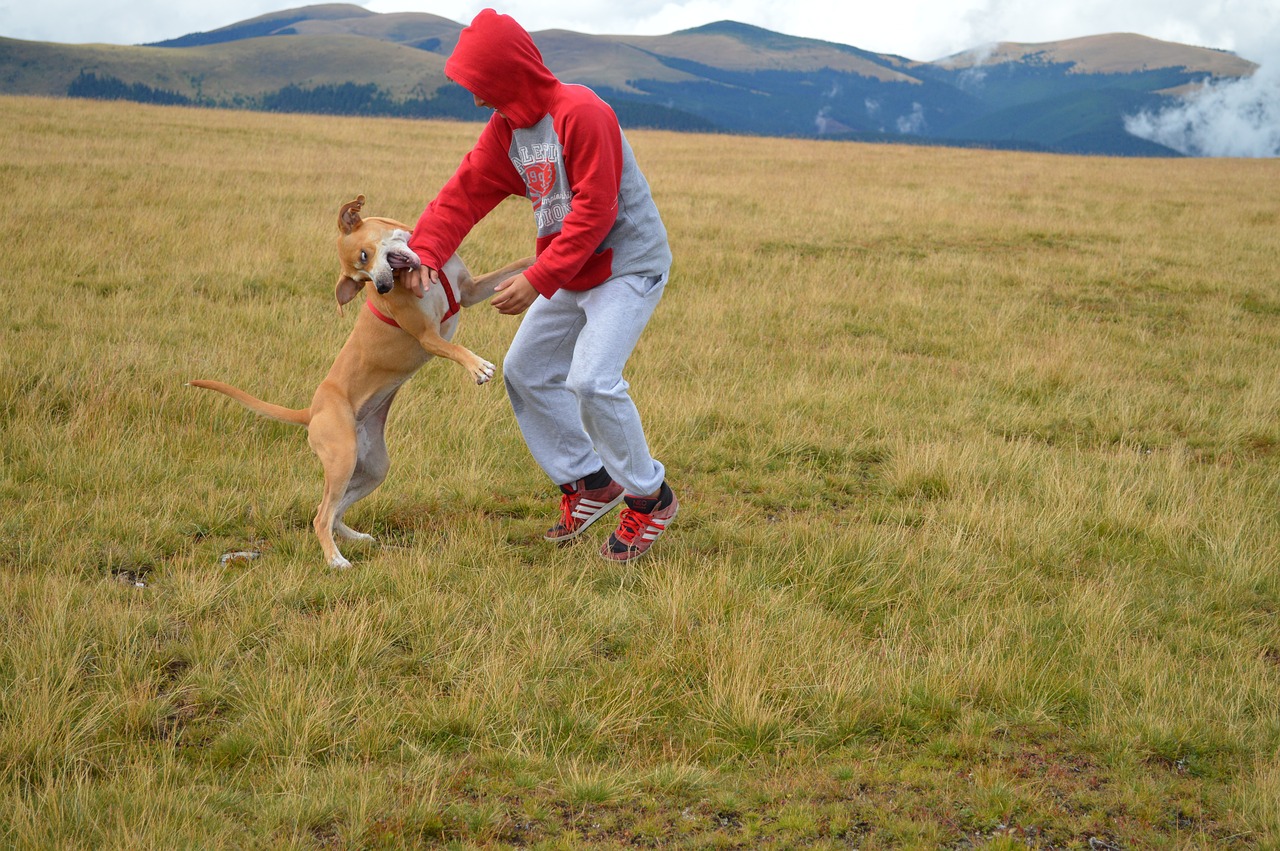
<point x="1230" y="118"/>
<point x="913" y="124"/>
<point x="1226" y="24"/>
<point x="1227" y="119"/>
<point x="124" y="21"/>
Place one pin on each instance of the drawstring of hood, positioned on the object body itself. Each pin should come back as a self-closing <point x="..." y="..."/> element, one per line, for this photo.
<point x="496" y="60"/>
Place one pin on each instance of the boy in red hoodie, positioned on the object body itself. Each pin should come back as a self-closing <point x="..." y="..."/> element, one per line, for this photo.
<point x="602" y="264"/>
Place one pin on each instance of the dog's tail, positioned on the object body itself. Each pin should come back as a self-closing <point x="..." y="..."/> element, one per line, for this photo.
<point x="276" y="412"/>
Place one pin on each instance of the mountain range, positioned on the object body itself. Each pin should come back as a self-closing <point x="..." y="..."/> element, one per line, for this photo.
<point x="1066" y="96"/>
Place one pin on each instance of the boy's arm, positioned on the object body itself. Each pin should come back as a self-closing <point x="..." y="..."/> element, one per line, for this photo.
<point x="482" y="180"/>
<point x="592" y="144"/>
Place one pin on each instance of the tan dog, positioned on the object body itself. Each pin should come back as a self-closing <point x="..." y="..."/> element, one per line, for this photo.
<point x="397" y="334"/>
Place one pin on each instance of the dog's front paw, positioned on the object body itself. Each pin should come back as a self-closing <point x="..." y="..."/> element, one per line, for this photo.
<point x="484" y="371"/>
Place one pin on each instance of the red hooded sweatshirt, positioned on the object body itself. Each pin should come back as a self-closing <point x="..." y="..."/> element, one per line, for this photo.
<point x="558" y="145"/>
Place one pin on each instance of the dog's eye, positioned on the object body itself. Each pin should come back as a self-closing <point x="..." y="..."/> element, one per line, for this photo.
<point x="364" y="257"/>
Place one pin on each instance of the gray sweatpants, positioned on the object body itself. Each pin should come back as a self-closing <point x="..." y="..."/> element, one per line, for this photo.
<point x="564" y="375"/>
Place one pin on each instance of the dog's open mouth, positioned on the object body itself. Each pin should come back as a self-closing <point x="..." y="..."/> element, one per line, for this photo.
<point x="400" y="255"/>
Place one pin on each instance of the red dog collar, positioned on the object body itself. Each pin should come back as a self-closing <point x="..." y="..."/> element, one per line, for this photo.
<point x="378" y="313"/>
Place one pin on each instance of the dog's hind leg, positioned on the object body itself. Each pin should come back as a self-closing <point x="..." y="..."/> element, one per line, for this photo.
<point x="372" y="464"/>
<point x="332" y="436"/>
<point x="473" y="290"/>
<point x="342" y="530"/>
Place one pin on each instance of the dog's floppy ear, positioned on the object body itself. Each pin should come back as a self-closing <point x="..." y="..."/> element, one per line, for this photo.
<point x="347" y="289"/>
<point x="349" y="217"/>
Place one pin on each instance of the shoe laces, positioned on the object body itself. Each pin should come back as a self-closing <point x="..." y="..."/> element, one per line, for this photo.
<point x="630" y="524"/>
<point x="568" y="502"/>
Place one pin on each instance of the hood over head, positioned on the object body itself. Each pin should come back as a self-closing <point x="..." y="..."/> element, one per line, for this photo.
<point x="497" y="61"/>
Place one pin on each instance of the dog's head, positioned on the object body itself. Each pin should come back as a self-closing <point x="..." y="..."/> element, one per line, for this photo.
<point x="370" y="249"/>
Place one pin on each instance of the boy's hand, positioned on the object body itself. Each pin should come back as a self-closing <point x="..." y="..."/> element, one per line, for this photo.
<point x="514" y="295"/>
<point x="418" y="280"/>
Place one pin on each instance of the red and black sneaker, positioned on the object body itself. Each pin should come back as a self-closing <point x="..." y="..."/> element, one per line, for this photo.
<point x="580" y="507"/>
<point x="642" y="522"/>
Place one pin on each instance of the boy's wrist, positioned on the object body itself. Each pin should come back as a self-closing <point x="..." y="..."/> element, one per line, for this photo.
<point x="543" y="287"/>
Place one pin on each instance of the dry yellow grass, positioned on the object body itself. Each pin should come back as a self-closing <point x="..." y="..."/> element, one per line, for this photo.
<point x="978" y="453"/>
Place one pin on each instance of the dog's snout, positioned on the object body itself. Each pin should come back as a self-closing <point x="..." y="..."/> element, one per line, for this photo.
<point x="382" y="288"/>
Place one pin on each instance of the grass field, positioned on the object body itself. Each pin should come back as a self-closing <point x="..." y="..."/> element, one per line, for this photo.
<point x="979" y="463"/>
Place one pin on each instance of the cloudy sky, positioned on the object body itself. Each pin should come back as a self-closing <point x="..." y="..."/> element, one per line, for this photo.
<point x="917" y="29"/>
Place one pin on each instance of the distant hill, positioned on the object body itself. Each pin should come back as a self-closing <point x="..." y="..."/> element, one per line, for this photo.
<point x="1067" y="96"/>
